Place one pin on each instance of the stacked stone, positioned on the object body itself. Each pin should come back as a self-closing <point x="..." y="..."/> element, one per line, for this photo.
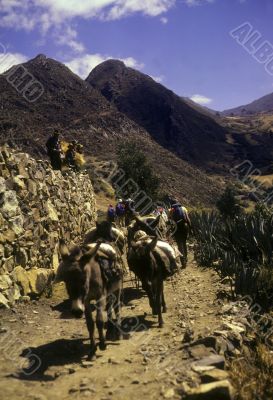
<point x="38" y="206"/>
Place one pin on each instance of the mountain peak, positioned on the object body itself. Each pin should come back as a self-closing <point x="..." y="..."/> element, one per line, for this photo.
<point x="108" y="67"/>
<point x="40" y="57"/>
<point x="169" y="120"/>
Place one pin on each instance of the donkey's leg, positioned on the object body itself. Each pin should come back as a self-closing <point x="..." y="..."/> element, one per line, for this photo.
<point x="185" y="249"/>
<point x="159" y="290"/>
<point x="110" y="321"/>
<point x="164" y="307"/>
<point x="100" y="324"/>
<point x="117" y="313"/>
<point x="147" y="286"/>
<point x="90" y="327"/>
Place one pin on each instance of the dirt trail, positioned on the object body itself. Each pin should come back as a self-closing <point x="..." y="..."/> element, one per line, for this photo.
<point x="147" y="364"/>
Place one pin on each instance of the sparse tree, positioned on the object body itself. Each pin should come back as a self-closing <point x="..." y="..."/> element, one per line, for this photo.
<point x="137" y="169"/>
<point x="228" y="205"/>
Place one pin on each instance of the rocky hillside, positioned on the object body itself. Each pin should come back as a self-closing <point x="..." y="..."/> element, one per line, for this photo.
<point x="262" y="105"/>
<point x="78" y="110"/>
<point x="38" y="206"/>
<point x="169" y="120"/>
<point x="68" y="103"/>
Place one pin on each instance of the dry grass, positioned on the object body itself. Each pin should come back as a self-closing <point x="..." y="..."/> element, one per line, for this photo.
<point x="252" y="374"/>
<point x="265" y="122"/>
<point x="265" y="180"/>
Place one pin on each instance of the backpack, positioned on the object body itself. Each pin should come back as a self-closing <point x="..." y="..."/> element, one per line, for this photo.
<point x="120" y="209"/>
<point x="111" y="212"/>
<point x="178" y="213"/>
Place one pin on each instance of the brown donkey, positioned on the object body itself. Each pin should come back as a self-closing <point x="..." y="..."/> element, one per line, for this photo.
<point x="90" y="275"/>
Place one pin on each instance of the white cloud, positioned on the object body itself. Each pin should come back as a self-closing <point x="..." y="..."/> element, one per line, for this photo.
<point x="164" y="20"/>
<point x="68" y="37"/>
<point x="197" y="2"/>
<point x="121" y="8"/>
<point x="55" y="17"/>
<point x="203" y="100"/>
<point x="7" y="60"/>
<point x="83" y="65"/>
<point x="50" y="12"/>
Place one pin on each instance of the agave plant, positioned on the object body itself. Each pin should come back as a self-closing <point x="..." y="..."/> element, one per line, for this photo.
<point x="240" y="248"/>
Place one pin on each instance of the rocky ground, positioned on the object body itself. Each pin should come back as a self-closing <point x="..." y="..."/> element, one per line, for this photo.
<point x="149" y="362"/>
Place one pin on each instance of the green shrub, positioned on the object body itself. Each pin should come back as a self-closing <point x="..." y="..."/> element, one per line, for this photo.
<point x="228" y="205"/>
<point x="133" y="162"/>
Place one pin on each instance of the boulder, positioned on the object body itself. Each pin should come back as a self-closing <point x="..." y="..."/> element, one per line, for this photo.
<point x="5" y="282"/>
<point x="52" y="212"/>
<point x="214" y="375"/>
<point x="235" y="327"/>
<point x="208" y="341"/>
<point x="13" y="294"/>
<point x="2" y="185"/>
<point x="2" y="251"/>
<point x="20" y="276"/>
<point x="3" y="301"/>
<point x="21" y="257"/>
<point x="55" y="258"/>
<point x="199" y="351"/>
<point x="8" y="236"/>
<point x="39" y="279"/>
<point x="8" y="263"/>
<point x="32" y="187"/>
<point x="221" y="390"/>
<point x="17" y="224"/>
<point x="9" y="204"/>
<point x="208" y="363"/>
<point x="18" y="183"/>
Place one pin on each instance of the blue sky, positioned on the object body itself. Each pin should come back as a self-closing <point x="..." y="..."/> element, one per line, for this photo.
<point x="184" y="44"/>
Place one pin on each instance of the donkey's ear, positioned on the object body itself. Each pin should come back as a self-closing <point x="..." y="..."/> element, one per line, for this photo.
<point x="89" y="253"/>
<point x="63" y="249"/>
<point x="76" y="253"/>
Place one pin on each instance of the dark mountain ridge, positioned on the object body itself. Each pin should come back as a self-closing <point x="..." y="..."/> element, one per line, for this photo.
<point x="261" y="105"/>
<point x="170" y="121"/>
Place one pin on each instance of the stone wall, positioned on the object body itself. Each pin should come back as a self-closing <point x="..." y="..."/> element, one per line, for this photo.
<point x="38" y="206"/>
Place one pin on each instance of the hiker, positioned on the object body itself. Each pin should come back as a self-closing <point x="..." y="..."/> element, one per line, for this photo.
<point x="180" y="216"/>
<point x="70" y="155"/>
<point x="129" y="205"/>
<point x="120" y="213"/>
<point x="54" y="151"/>
<point x="111" y="213"/>
<point x="161" y="211"/>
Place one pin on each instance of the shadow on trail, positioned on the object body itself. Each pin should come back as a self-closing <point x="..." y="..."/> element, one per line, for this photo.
<point x="130" y="294"/>
<point x="57" y="353"/>
<point x="137" y="323"/>
<point x="63" y="352"/>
